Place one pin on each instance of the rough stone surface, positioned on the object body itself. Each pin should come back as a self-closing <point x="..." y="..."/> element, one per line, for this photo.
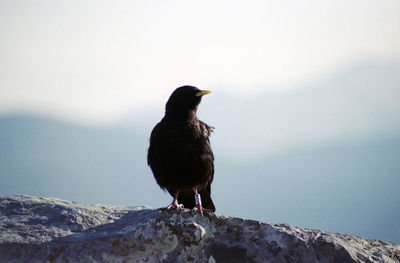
<point x="34" y="229"/>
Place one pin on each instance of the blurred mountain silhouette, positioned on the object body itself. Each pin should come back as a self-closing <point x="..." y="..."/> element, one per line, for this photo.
<point x="326" y="155"/>
<point x="359" y="101"/>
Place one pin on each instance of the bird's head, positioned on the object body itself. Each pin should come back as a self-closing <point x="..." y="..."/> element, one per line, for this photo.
<point x="184" y="100"/>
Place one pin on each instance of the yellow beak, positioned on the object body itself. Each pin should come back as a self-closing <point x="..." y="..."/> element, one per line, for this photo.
<point x="203" y="92"/>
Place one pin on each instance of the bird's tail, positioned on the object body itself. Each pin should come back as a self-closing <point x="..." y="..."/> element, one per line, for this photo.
<point x="186" y="198"/>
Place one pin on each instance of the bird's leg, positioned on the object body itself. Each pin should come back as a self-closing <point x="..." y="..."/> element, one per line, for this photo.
<point x="197" y="199"/>
<point x="175" y="201"/>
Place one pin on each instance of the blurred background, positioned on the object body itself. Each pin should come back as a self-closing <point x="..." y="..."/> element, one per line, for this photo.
<point x="305" y="104"/>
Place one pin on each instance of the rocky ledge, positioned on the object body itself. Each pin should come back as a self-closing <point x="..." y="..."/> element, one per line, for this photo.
<point x="34" y="229"/>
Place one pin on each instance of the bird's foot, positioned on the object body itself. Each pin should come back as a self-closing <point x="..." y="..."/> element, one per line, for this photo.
<point x="199" y="208"/>
<point x="175" y="204"/>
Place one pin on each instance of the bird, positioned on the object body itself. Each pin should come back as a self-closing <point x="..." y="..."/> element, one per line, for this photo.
<point x="180" y="154"/>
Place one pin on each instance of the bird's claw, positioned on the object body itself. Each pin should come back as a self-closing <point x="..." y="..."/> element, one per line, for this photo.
<point x="198" y="208"/>
<point x="175" y="205"/>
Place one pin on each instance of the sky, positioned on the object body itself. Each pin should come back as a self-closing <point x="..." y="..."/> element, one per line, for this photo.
<point x="305" y="101"/>
<point x="99" y="61"/>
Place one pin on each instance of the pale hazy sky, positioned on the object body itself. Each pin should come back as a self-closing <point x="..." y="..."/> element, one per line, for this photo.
<point x="98" y="60"/>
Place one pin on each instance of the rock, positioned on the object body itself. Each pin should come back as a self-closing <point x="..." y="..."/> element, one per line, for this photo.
<point x="34" y="229"/>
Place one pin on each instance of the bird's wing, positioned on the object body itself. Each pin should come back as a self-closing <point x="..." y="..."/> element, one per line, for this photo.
<point x="206" y="129"/>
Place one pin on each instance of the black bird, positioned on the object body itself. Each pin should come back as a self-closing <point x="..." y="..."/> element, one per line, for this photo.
<point x="180" y="154"/>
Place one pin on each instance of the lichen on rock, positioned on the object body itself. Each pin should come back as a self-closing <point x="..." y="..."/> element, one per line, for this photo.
<point x="34" y="229"/>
